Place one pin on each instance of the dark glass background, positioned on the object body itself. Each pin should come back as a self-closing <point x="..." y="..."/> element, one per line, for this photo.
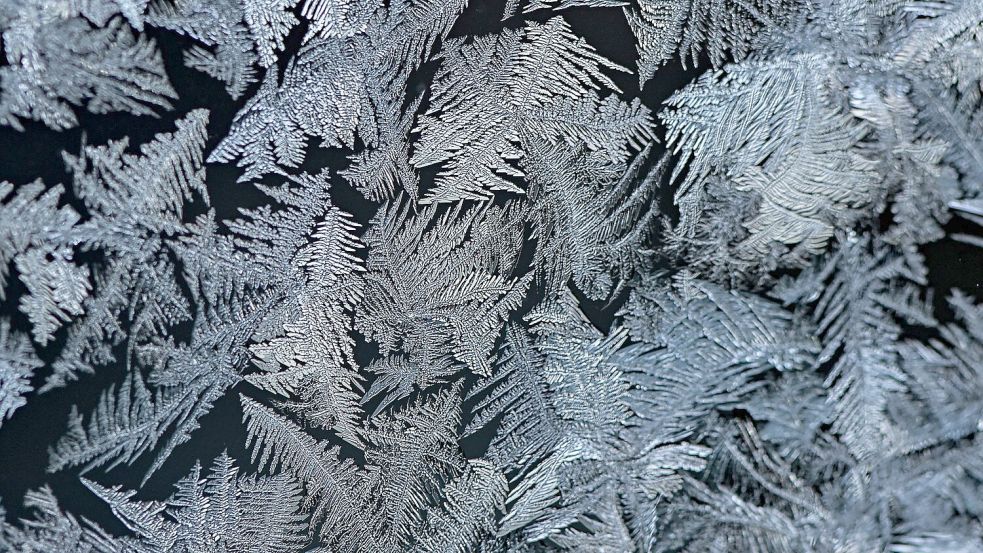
<point x="36" y="153"/>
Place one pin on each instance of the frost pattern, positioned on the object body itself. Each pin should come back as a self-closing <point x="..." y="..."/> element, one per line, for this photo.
<point x="491" y="297"/>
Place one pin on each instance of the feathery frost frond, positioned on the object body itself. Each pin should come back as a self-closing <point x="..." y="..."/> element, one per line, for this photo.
<point x="865" y="287"/>
<point x="314" y="358"/>
<point x="334" y="88"/>
<point x="226" y="510"/>
<point x="468" y="513"/>
<point x="722" y="31"/>
<point x="136" y="205"/>
<point x="17" y="365"/>
<point x="551" y="79"/>
<point x="59" y="60"/>
<point x="53" y="529"/>
<point x="767" y="130"/>
<point x="438" y="287"/>
<point x="334" y="489"/>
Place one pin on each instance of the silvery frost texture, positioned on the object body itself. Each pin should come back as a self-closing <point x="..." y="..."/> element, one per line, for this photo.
<point x="520" y="307"/>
